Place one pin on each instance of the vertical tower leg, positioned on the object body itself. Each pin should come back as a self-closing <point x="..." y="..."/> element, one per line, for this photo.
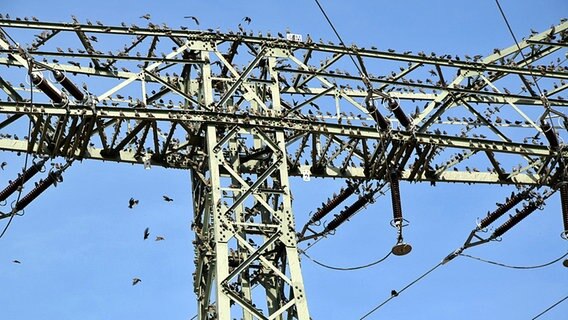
<point x="247" y="263"/>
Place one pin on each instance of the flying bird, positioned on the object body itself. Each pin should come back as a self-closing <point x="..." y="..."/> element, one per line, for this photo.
<point x="194" y="18"/>
<point x="132" y="203"/>
<point x="146" y="16"/>
<point x="135" y="281"/>
<point x="146" y="233"/>
<point x="160" y="238"/>
<point x="3" y="165"/>
<point x="248" y="20"/>
<point x="16" y="261"/>
<point x="167" y="199"/>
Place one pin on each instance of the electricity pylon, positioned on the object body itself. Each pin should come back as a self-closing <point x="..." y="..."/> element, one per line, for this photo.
<point x="244" y="112"/>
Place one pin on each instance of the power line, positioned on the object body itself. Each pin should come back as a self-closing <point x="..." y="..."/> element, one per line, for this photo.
<point x="330" y="23"/>
<point x="542" y="96"/>
<point x="515" y="267"/>
<point x="364" y="77"/>
<point x="551" y="307"/>
<point x="517" y="43"/>
<point x="396" y="293"/>
<point x="347" y="268"/>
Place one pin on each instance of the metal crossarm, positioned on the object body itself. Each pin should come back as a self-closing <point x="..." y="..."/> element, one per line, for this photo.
<point x="243" y="113"/>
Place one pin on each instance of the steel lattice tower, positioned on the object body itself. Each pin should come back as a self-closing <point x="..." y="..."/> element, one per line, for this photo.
<point x="244" y="112"/>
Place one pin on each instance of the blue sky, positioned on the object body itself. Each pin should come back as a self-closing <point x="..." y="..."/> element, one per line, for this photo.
<point x="80" y="245"/>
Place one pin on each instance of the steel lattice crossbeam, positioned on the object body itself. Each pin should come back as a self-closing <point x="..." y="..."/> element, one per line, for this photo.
<point x="245" y="112"/>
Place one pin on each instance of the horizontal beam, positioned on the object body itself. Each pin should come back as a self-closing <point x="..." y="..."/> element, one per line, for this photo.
<point x="281" y="42"/>
<point x="331" y="172"/>
<point x="248" y="120"/>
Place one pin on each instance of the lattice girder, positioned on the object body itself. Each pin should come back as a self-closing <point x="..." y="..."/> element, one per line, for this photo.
<point x="245" y="112"/>
<point x="245" y="221"/>
<point x="160" y="119"/>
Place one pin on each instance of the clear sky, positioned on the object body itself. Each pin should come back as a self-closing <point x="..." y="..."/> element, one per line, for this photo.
<point x="80" y="245"/>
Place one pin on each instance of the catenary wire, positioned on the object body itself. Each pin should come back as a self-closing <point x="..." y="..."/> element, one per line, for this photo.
<point x="441" y="263"/>
<point x="540" y="92"/>
<point x="341" y="40"/>
<point x="550" y="308"/>
<point x="517" y="43"/>
<point x="327" y="266"/>
<point x="401" y="290"/>
<point x="516" y="267"/>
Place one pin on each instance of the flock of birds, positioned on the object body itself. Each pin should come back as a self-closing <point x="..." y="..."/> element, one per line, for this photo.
<point x="131" y="204"/>
<point x="405" y="85"/>
<point x="468" y="123"/>
<point x="247" y="20"/>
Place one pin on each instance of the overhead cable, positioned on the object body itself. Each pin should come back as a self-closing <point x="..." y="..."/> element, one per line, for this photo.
<point x="550" y="308"/>
<point x="327" y="266"/>
<point x="516" y="267"/>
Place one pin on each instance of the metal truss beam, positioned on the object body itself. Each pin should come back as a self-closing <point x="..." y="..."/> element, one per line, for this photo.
<point x="245" y="232"/>
<point x="244" y="121"/>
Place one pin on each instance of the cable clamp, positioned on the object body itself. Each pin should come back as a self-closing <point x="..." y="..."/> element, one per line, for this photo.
<point x="452" y="255"/>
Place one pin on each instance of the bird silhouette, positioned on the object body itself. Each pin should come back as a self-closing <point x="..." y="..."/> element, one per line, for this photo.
<point x="16" y="261"/>
<point x="167" y="199"/>
<point x="132" y="203"/>
<point x="146" y="16"/>
<point x="193" y="18"/>
<point x="135" y="281"/>
<point x="160" y="238"/>
<point x="394" y="293"/>
<point x="3" y="165"/>
<point x="146" y="233"/>
<point x="248" y="20"/>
